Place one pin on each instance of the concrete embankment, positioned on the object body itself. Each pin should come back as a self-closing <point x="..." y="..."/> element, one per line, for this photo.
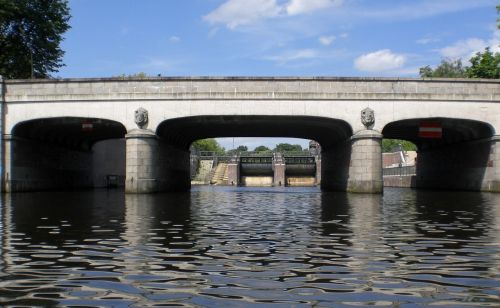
<point x="400" y="181"/>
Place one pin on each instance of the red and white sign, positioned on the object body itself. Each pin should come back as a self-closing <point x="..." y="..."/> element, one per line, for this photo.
<point x="87" y="127"/>
<point x="430" y="130"/>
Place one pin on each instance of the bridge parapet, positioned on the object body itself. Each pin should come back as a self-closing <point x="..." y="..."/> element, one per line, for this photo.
<point x="252" y="88"/>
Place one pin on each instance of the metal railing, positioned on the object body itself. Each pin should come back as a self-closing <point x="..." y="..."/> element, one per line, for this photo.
<point x="297" y="153"/>
<point x="300" y="160"/>
<point x="400" y="171"/>
<point x="256" y="159"/>
<point x="255" y="154"/>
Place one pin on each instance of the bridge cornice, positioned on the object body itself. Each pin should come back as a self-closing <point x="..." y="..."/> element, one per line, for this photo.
<point x="252" y="88"/>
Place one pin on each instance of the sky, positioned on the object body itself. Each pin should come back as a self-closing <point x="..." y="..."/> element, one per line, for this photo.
<point x="354" y="38"/>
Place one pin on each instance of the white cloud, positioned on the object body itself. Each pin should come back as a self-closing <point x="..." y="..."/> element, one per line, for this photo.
<point x="174" y="39"/>
<point x="465" y="49"/>
<point x="326" y="40"/>
<point x="297" y="7"/>
<point x="344" y="35"/>
<point x="235" y="13"/>
<point x="381" y="60"/>
<point x="462" y="49"/>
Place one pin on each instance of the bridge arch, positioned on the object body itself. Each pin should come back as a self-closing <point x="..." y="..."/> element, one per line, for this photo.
<point x="62" y="153"/>
<point x="183" y="131"/>
<point x="454" y="130"/>
<point x="174" y="136"/>
<point x="458" y="156"/>
<point x="79" y="133"/>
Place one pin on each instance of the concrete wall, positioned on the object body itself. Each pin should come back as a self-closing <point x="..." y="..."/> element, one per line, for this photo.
<point x="408" y="181"/>
<point x="108" y="159"/>
<point x="300" y="181"/>
<point x="467" y="166"/>
<point x="32" y="166"/>
<point x="338" y="98"/>
<point x="261" y="181"/>
<point x="392" y="99"/>
<point x="393" y="159"/>
<point x="2" y="119"/>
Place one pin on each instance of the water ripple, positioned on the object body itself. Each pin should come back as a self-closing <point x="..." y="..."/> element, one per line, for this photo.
<point x="254" y="247"/>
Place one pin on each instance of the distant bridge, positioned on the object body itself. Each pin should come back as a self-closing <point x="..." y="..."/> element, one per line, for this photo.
<point x="55" y="131"/>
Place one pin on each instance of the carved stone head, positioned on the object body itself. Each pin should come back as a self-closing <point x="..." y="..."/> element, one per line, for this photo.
<point x="141" y="117"/>
<point x="368" y="118"/>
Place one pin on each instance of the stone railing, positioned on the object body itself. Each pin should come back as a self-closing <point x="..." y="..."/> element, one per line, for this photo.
<point x="252" y="88"/>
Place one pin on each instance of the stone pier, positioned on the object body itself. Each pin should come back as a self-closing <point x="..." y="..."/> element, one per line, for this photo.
<point x="492" y="183"/>
<point x="279" y="170"/>
<point x="365" y="172"/>
<point x="233" y="172"/>
<point x="153" y="165"/>
<point x="141" y="162"/>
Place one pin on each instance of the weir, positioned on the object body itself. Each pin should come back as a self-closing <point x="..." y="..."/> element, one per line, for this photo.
<point x="54" y="131"/>
<point x="274" y="169"/>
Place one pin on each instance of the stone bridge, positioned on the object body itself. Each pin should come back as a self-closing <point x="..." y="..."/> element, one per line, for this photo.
<point x="55" y="131"/>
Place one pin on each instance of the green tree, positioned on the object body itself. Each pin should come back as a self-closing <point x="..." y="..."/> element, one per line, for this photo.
<point x="242" y="148"/>
<point x="209" y="145"/>
<point x="446" y="69"/>
<point x="262" y="148"/>
<point x="30" y="34"/>
<point x="286" y="147"/>
<point x="389" y="145"/>
<point x="484" y="65"/>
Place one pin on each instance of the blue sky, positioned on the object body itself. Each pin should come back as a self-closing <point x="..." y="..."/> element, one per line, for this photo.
<point x="273" y="37"/>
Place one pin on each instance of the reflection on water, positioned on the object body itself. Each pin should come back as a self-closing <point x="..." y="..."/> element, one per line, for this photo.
<point x="219" y="246"/>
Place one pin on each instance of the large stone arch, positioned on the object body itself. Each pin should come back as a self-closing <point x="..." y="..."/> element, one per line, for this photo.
<point x="56" y="152"/>
<point x="173" y="137"/>
<point x="463" y="157"/>
<point x="184" y="130"/>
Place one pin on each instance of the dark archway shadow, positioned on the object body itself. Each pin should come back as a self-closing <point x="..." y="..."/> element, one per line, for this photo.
<point x="458" y="159"/>
<point x="54" y="153"/>
<point x="331" y="134"/>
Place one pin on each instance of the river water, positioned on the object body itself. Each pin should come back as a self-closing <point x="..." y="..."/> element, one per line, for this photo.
<point x="224" y="246"/>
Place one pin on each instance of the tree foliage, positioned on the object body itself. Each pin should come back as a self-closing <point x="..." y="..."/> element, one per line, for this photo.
<point x="286" y="147"/>
<point x="262" y="148"/>
<point x="30" y="34"/>
<point x="446" y="69"/>
<point x="242" y="148"/>
<point x="209" y="145"/>
<point x="239" y="149"/>
<point x="484" y="65"/>
<point x="390" y="145"/>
